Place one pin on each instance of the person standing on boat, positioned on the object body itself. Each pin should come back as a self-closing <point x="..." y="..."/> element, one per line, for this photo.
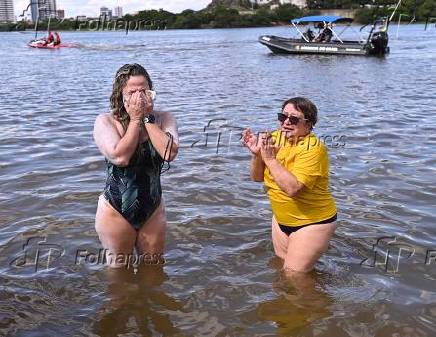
<point x="293" y="164"/>
<point x="136" y="141"/>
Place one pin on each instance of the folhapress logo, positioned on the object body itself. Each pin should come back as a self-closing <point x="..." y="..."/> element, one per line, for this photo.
<point x="38" y="254"/>
<point x="388" y="254"/>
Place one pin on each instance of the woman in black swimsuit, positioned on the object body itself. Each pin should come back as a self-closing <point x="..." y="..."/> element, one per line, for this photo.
<point x="136" y="141"/>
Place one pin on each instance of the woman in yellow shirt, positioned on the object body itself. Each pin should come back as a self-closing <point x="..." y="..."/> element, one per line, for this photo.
<point x="294" y="166"/>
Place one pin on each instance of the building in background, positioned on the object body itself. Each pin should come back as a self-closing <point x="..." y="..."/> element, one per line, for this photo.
<point x="43" y="9"/>
<point x="27" y="17"/>
<point x="275" y="3"/>
<point x="34" y="10"/>
<point x="7" y="11"/>
<point x="118" y="12"/>
<point x="298" y="3"/>
<point x="260" y="2"/>
<point x="60" y="14"/>
<point x="106" y="12"/>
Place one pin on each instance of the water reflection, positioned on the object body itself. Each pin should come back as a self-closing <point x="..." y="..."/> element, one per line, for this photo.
<point x="300" y="302"/>
<point x="219" y="243"/>
<point x="135" y="303"/>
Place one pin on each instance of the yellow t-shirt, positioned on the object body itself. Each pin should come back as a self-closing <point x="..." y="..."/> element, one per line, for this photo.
<point x="307" y="160"/>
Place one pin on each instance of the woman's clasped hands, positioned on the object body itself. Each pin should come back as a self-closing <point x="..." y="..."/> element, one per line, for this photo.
<point x="263" y="144"/>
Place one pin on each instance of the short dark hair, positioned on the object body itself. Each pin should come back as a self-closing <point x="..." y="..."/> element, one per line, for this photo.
<point x="305" y="106"/>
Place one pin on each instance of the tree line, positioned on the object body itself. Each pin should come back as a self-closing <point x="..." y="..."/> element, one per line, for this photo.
<point x="225" y="17"/>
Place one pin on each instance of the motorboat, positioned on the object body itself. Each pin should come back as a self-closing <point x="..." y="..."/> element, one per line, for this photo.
<point x="43" y="44"/>
<point x="51" y="41"/>
<point x="327" y="40"/>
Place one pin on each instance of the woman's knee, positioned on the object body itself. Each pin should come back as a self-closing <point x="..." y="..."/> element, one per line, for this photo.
<point x="301" y="264"/>
<point x="151" y="243"/>
<point x="151" y="238"/>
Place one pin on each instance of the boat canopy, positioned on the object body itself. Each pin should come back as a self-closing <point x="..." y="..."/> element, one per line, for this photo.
<point x="322" y="18"/>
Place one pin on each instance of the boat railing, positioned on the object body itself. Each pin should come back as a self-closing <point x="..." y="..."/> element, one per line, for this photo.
<point x="334" y="33"/>
<point x="302" y="35"/>
<point x="338" y="38"/>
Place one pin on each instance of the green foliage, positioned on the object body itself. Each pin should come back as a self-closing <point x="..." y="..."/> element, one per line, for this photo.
<point x="225" y="17"/>
<point x="222" y="15"/>
<point x="287" y="12"/>
<point x="366" y="15"/>
<point x="10" y="27"/>
<point x="154" y="15"/>
<point x="427" y="9"/>
<point x="419" y="9"/>
<point x="346" y="4"/>
<point x="369" y="9"/>
<point x="187" y="19"/>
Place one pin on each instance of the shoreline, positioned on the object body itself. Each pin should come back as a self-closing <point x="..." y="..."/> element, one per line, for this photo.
<point x="354" y="24"/>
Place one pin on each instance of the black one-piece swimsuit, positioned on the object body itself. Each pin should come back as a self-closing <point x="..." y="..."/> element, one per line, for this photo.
<point x="135" y="190"/>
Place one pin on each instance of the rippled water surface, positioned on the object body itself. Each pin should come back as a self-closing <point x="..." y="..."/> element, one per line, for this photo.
<point x="221" y="277"/>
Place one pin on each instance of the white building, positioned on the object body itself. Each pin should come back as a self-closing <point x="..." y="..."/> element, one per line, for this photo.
<point x="106" y="12"/>
<point x="7" y="11"/>
<point x="43" y="9"/>
<point x="298" y="3"/>
<point x="118" y="12"/>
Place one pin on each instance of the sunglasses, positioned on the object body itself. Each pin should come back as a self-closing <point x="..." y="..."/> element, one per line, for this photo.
<point x="292" y="119"/>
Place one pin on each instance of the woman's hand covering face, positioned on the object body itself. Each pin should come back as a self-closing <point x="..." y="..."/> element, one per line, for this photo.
<point x="138" y="104"/>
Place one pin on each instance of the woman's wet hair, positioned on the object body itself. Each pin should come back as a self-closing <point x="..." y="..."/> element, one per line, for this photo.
<point x="306" y="107"/>
<point x="121" y="77"/>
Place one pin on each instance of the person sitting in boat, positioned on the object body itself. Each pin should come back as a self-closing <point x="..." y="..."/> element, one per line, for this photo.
<point x="309" y="35"/>
<point x="326" y="35"/>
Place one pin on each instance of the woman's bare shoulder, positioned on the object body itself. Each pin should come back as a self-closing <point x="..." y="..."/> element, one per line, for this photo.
<point x="105" y="117"/>
<point x="107" y="120"/>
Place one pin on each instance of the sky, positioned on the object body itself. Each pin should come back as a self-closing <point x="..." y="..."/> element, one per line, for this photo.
<point x="91" y="8"/>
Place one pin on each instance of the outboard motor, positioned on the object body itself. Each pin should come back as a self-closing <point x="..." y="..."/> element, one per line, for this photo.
<point x="379" y="43"/>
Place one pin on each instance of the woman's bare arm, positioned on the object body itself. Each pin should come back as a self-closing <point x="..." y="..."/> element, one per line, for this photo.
<point x="115" y="148"/>
<point x="287" y="182"/>
<point x="160" y="140"/>
<point x="257" y="168"/>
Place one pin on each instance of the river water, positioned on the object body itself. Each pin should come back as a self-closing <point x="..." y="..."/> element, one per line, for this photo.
<point x="221" y="277"/>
